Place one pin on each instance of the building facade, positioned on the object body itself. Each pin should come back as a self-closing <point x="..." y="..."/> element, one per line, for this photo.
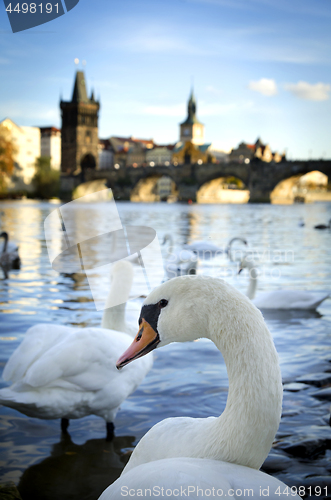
<point x="50" y="145"/>
<point x="26" y="141"/>
<point x="106" y="155"/>
<point x="160" y="155"/>
<point x="245" y="153"/>
<point x="79" y="130"/>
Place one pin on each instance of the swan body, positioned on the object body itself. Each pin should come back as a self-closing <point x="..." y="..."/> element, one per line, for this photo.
<point x="179" y="262"/>
<point x="204" y="249"/>
<point x="9" y="257"/>
<point x="209" y="451"/>
<point x="280" y="299"/>
<point x="196" y="478"/>
<point x="64" y="372"/>
<point x="323" y="226"/>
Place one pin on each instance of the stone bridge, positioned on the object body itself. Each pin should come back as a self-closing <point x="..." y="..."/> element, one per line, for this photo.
<point x="259" y="177"/>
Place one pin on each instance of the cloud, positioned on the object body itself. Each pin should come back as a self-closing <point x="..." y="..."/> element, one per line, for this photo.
<point x="213" y="91"/>
<point x="312" y="92"/>
<point x="264" y="86"/>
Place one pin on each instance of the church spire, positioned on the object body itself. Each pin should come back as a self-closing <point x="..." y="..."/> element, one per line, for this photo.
<point x="79" y="93"/>
<point x="192" y="106"/>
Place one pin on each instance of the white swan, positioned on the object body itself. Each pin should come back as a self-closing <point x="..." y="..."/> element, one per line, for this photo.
<point x="65" y="372"/>
<point x="222" y="452"/>
<point x="280" y="299"/>
<point x="180" y="262"/>
<point x="9" y="257"/>
<point x="204" y="249"/>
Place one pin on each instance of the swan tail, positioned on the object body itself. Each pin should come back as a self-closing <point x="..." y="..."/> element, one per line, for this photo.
<point x="24" y="402"/>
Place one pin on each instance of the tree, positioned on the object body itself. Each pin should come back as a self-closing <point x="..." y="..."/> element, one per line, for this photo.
<point x="7" y="153"/>
<point x="46" y="180"/>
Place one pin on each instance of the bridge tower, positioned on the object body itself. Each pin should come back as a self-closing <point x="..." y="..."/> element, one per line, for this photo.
<point x="191" y="129"/>
<point x="79" y="130"/>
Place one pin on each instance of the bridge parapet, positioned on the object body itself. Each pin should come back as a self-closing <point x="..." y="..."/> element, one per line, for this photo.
<point x="259" y="177"/>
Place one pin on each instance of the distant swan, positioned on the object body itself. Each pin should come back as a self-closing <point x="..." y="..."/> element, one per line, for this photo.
<point x="280" y="299"/>
<point x="204" y="249"/>
<point x="224" y="452"/>
<point x="323" y="226"/>
<point x="9" y="257"/>
<point x="179" y="262"/>
<point x="65" y="372"/>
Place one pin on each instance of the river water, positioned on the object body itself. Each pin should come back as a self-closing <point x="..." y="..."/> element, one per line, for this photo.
<point x="186" y="379"/>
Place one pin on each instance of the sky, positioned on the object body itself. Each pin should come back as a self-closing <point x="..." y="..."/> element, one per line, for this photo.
<point x="259" y="68"/>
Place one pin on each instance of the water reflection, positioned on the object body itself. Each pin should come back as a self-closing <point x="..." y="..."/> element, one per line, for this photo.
<point x="76" y="471"/>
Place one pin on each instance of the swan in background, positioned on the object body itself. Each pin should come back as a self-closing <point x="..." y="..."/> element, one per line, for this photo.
<point x="229" y="247"/>
<point x="179" y="262"/>
<point x="9" y="257"/>
<point x="223" y="452"/>
<point x="279" y="299"/>
<point x="323" y="226"/>
<point x="204" y="249"/>
<point x="65" y="372"/>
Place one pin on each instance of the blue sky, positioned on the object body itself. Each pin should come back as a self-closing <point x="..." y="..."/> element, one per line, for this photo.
<point x="261" y="68"/>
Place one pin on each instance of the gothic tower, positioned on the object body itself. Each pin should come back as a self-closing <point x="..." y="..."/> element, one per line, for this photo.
<point x="79" y="130"/>
<point x="191" y="129"/>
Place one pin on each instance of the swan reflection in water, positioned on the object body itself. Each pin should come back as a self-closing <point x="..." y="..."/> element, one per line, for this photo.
<point x="76" y="471"/>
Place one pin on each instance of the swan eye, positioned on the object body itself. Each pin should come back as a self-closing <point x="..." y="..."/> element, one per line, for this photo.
<point x="163" y="303"/>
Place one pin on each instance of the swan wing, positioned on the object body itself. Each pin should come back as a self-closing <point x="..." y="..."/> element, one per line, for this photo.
<point x="37" y="341"/>
<point x="86" y="357"/>
<point x="77" y="376"/>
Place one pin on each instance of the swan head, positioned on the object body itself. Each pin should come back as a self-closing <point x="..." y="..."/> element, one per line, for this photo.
<point x="248" y="263"/>
<point x="183" y="309"/>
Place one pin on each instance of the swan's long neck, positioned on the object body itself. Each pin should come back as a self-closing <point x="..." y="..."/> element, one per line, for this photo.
<point x="114" y="315"/>
<point x="252" y="286"/>
<point x="245" y="431"/>
<point x="114" y="318"/>
<point x="4" y="248"/>
<point x="168" y="238"/>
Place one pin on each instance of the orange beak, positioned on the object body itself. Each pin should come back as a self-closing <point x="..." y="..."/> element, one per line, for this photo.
<point x="145" y="341"/>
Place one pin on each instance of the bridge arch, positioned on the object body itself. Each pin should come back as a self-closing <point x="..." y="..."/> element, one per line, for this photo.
<point x="223" y="189"/>
<point x="154" y="187"/>
<point x="302" y="187"/>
